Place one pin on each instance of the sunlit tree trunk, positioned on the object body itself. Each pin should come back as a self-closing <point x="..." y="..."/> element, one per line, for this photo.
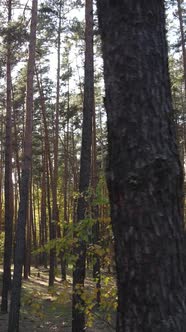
<point x="8" y="178"/>
<point x="55" y="212"/>
<point x="144" y="174"/>
<point x="13" y="324"/>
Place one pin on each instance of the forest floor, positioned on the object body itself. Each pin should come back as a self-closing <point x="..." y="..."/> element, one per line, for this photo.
<point x="49" y="310"/>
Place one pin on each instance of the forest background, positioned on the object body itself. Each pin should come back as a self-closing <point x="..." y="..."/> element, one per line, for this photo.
<point x="56" y="238"/>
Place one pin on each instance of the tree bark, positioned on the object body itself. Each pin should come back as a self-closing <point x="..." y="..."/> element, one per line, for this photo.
<point x="8" y="179"/>
<point x="33" y="224"/>
<point x="144" y="173"/>
<point x="78" y="314"/>
<point x="95" y="209"/>
<point x="52" y="225"/>
<point x="180" y="15"/>
<point x="13" y="324"/>
<point x="43" y="228"/>
<point x="16" y="144"/>
<point x="27" y="256"/>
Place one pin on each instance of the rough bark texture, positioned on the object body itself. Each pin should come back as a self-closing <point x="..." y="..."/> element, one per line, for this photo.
<point x="8" y="181"/>
<point x="78" y="315"/>
<point x="144" y="174"/>
<point x="13" y="325"/>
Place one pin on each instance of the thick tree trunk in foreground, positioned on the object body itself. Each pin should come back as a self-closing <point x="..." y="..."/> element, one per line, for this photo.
<point x="144" y="173"/>
<point x="13" y="325"/>
<point x="78" y="314"/>
<point x="8" y="180"/>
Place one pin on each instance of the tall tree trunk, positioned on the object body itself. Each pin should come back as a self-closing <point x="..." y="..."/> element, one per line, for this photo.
<point x="180" y="15"/>
<point x="75" y="177"/>
<point x="8" y="179"/>
<point x="95" y="209"/>
<point x="66" y="216"/>
<point x="55" y="212"/>
<point x="50" y="170"/>
<point x="13" y="324"/>
<point x="43" y="209"/>
<point x="144" y="173"/>
<point x="27" y="256"/>
<point x="33" y="223"/>
<point x="50" y="220"/>
<point x="16" y="145"/>
<point x="65" y="182"/>
<point x="78" y="314"/>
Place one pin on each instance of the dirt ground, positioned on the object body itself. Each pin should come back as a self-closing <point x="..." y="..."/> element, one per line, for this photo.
<point x="47" y="310"/>
<point x="27" y="325"/>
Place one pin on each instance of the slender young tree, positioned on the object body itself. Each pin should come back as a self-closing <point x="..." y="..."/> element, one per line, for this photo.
<point x="78" y="314"/>
<point x="43" y="223"/>
<point x="66" y="179"/>
<point x="55" y="212"/>
<point x="13" y="324"/>
<point x="8" y="177"/>
<point x="27" y="253"/>
<point x="95" y="211"/>
<point x="52" y="227"/>
<point x="144" y="174"/>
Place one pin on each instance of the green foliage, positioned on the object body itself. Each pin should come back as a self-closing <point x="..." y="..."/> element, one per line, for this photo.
<point x="101" y="199"/>
<point x="83" y="230"/>
<point x="108" y="305"/>
<point x="31" y="303"/>
<point x="108" y="298"/>
<point x="16" y="33"/>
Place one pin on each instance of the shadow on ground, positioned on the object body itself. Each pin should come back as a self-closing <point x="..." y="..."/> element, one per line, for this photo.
<point x="45" y="309"/>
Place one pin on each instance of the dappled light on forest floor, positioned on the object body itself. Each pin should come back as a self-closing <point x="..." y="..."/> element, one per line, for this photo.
<point x="49" y="309"/>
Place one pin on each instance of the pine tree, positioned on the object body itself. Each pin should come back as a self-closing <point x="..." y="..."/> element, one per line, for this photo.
<point x="13" y="324"/>
<point x="144" y="175"/>
<point x="78" y="314"/>
<point x="8" y="176"/>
